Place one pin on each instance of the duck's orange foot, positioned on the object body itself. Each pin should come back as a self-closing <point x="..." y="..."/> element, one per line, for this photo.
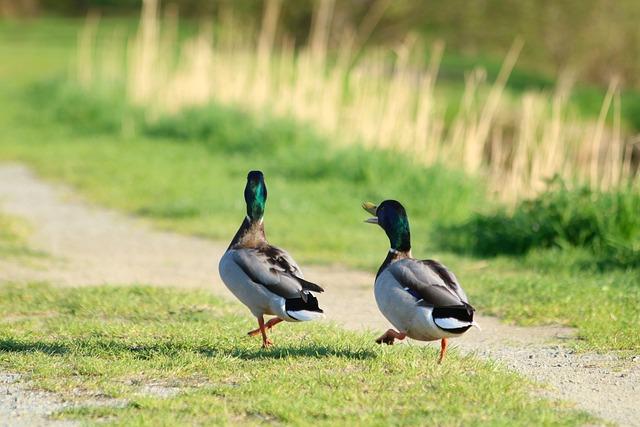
<point x="267" y="343"/>
<point x="270" y="324"/>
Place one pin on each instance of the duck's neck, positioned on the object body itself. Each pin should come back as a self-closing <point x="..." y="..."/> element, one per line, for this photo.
<point x="399" y="235"/>
<point x="392" y="256"/>
<point x="249" y="235"/>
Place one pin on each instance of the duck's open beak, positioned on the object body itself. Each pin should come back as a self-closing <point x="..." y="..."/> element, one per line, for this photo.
<point x="371" y="208"/>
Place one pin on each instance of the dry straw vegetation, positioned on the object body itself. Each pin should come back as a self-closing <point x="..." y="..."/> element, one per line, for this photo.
<point x="379" y="97"/>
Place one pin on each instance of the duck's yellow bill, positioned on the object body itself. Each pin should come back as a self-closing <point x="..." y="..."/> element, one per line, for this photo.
<point x="370" y="207"/>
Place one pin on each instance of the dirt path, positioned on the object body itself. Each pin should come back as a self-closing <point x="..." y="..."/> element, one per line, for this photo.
<point x="92" y="246"/>
<point x="23" y="407"/>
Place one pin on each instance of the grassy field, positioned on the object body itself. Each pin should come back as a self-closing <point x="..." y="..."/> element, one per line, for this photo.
<point x="187" y="173"/>
<point x="116" y="343"/>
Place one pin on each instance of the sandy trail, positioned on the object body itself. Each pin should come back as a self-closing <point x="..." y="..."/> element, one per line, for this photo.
<point x="93" y="246"/>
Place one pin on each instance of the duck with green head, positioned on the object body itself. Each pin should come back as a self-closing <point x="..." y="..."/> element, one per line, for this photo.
<point x="421" y="298"/>
<point x="263" y="277"/>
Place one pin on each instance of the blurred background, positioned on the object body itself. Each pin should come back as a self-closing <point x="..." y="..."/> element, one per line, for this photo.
<point x="489" y="82"/>
<point x="597" y="39"/>
<point x="510" y="130"/>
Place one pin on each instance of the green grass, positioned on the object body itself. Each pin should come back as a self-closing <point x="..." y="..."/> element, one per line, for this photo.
<point x="187" y="173"/>
<point x="114" y="341"/>
<point x="560" y="287"/>
<point x="606" y="223"/>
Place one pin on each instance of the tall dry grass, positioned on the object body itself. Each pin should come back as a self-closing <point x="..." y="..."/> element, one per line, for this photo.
<point x="376" y="96"/>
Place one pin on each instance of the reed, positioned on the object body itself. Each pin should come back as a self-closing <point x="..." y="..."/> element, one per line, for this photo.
<point x="378" y="97"/>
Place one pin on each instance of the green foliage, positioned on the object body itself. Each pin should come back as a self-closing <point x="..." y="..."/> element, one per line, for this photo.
<point x="303" y="155"/>
<point x="588" y="101"/>
<point x="607" y="223"/>
<point x="124" y="342"/>
<point x="454" y="67"/>
<point x="60" y="101"/>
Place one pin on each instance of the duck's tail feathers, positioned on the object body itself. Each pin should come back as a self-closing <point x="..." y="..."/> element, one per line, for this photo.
<point x="455" y="318"/>
<point x="301" y="310"/>
<point x="309" y="286"/>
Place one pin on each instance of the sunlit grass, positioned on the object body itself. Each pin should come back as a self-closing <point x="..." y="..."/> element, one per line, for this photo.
<point x="115" y="342"/>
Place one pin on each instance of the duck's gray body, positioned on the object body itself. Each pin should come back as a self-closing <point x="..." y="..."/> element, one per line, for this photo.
<point x="258" y="278"/>
<point x="255" y="296"/>
<point x="408" y="291"/>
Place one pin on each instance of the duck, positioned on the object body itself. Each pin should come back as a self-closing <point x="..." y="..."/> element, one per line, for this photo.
<point x="422" y="299"/>
<point x="263" y="277"/>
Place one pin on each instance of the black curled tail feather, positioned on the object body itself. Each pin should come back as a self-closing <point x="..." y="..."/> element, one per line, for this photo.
<point x="299" y="304"/>
<point x="456" y="319"/>
<point x="462" y="312"/>
<point x="309" y="286"/>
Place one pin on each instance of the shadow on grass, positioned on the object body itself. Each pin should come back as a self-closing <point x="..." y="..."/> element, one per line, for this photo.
<point x="108" y="347"/>
<point x="9" y="345"/>
<point x="311" y="350"/>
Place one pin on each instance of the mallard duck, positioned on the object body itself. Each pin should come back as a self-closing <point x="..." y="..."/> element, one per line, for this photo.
<point x="421" y="298"/>
<point x="263" y="277"/>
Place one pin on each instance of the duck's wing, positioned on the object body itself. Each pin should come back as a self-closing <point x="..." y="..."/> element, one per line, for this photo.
<point x="447" y="276"/>
<point x="432" y="284"/>
<point x="275" y="269"/>
<point x="429" y="281"/>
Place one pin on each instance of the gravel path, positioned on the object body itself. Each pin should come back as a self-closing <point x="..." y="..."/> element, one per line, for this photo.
<point x="92" y="246"/>
<point x="23" y="407"/>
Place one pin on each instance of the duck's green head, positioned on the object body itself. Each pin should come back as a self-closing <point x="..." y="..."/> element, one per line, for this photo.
<point x="391" y="216"/>
<point x="255" y="194"/>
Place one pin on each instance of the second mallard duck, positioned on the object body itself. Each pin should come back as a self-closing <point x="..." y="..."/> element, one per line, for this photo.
<point x="421" y="298"/>
<point x="263" y="277"/>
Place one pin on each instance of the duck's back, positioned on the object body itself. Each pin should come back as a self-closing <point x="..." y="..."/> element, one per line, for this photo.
<point x="408" y="290"/>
